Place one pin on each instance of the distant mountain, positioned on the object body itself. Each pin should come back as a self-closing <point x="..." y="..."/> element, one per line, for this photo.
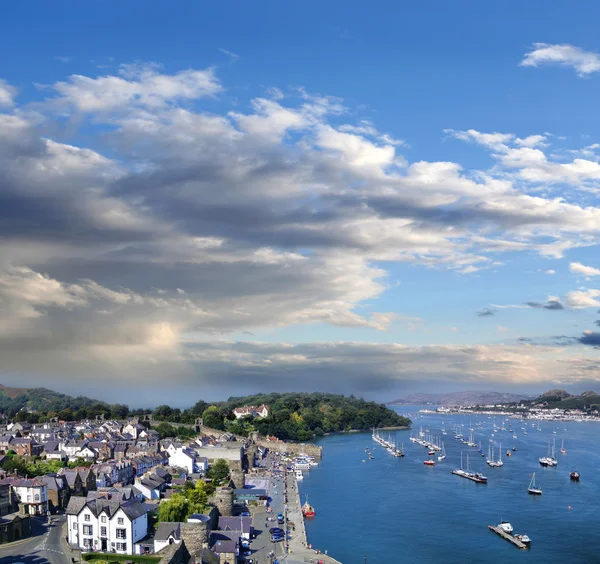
<point x="563" y="400"/>
<point x="458" y="399"/>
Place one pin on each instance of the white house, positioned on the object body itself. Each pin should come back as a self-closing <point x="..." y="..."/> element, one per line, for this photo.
<point x="166" y="534"/>
<point x="33" y="494"/>
<point x="251" y="410"/>
<point x="106" y="524"/>
<point x="188" y="459"/>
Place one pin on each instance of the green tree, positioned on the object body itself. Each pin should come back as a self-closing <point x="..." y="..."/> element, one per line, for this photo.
<point x="212" y="418"/>
<point x="175" y="509"/>
<point x="219" y="471"/>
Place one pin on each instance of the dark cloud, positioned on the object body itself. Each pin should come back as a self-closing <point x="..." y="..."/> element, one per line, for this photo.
<point x="590" y="338"/>
<point x="550" y="304"/>
<point x="485" y="312"/>
<point x="597" y="322"/>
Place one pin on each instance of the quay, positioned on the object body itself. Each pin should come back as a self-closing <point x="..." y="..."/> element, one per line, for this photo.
<point x="508" y="537"/>
<point x="298" y="547"/>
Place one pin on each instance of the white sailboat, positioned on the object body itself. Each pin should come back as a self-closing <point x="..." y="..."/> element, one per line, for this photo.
<point x="532" y="489"/>
<point x="442" y="455"/>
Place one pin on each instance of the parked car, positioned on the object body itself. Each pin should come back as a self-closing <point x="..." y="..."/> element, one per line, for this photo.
<point x="274" y="530"/>
<point x="277" y="538"/>
<point x="245" y="514"/>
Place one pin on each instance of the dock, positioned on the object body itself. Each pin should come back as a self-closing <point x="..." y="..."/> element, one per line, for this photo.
<point x="508" y="537"/>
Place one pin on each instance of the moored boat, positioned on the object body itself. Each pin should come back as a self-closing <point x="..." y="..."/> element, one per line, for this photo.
<point x="574" y="476"/>
<point x="308" y="510"/>
<point x="429" y="462"/>
<point x="533" y="489"/>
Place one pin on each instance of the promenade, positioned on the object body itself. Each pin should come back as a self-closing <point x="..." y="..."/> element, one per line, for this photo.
<point x="297" y="547"/>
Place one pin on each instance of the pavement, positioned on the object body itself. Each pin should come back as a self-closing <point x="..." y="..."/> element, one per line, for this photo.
<point x="45" y="546"/>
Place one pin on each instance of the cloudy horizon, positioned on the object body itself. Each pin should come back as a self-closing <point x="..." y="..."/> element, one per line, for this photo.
<point x="175" y="229"/>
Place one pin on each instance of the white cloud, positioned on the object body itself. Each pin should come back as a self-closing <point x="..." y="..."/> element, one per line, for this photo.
<point x="579" y="268"/>
<point x="233" y="56"/>
<point x="580" y="299"/>
<point x="7" y="94"/>
<point x="137" y="86"/>
<point x="584" y="62"/>
<point x="550" y="271"/>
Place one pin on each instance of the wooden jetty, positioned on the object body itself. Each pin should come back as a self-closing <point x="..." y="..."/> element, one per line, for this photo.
<point x="508" y="537"/>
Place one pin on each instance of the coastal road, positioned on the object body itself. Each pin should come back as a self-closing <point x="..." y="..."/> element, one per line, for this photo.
<point x="44" y="546"/>
<point x="262" y="545"/>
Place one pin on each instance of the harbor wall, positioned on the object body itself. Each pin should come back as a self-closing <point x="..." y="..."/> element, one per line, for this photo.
<point x="293" y="448"/>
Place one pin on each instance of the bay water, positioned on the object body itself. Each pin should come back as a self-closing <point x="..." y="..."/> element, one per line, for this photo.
<point x="398" y="510"/>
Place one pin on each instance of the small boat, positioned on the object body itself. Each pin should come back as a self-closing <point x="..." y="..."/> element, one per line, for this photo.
<point x="508" y="453"/>
<point x="506" y="527"/>
<point x="514" y="449"/>
<point x="574" y="475"/>
<point x="429" y="462"/>
<point x="307" y="509"/>
<point x="431" y="453"/>
<point x="532" y="489"/>
<point x="562" y="447"/>
<point x="371" y="457"/>
<point x="523" y="538"/>
<point x="299" y="475"/>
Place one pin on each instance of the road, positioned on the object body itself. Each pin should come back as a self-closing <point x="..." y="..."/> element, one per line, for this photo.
<point x="262" y="545"/>
<point x="44" y="547"/>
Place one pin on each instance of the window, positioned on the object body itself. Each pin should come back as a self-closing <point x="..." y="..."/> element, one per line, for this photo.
<point x="37" y="497"/>
<point x="102" y="531"/>
<point x="103" y="518"/>
<point x="120" y="521"/>
<point x="74" y="526"/>
<point x="87" y="529"/>
<point x="87" y="517"/>
<point x="121" y="533"/>
<point x="121" y="546"/>
<point x="87" y="543"/>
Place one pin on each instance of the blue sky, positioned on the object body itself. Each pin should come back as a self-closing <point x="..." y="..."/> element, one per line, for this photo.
<point x="361" y="197"/>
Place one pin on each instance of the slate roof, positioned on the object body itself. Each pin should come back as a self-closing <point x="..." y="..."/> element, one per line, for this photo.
<point x="166" y="530"/>
<point x="242" y="524"/>
<point x="132" y="508"/>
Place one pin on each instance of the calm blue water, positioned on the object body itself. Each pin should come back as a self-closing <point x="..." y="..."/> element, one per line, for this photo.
<point x="398" y="510"/>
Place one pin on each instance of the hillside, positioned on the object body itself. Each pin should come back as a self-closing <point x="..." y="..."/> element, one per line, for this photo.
<point x="459" y="399"/>
<point x="560" y="399"/>
<point x="12" y="393"/>
<point x="294" y="416"/>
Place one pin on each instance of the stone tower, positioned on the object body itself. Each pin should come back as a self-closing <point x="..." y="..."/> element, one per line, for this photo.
<point x="224" y="500"/>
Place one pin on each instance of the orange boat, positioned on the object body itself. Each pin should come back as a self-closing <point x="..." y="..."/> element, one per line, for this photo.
<point x="308" y="510"/>
<point x="429" y="462"/>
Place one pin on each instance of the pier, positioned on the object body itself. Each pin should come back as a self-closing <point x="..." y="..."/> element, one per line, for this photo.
<point x="508" y="537"/>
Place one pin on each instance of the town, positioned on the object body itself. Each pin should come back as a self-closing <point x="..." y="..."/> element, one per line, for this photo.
<point x="117" y="488"/>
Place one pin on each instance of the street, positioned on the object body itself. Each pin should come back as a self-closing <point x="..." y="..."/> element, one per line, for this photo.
<point x="44" y="547"/>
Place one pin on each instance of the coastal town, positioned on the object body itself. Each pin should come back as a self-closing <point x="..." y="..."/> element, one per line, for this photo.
<point x="120" y="489"/>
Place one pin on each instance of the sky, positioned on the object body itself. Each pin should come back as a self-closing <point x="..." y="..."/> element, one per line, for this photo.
<point x="207" y="199"/>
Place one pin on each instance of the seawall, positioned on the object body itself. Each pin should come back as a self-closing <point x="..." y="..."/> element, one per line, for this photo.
<point x="293" y="448"/>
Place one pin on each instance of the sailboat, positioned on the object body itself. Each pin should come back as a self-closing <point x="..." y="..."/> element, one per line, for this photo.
<point x="442" y="455"/>
<point x="532" y="489"/>
<point x="562" y="447"/>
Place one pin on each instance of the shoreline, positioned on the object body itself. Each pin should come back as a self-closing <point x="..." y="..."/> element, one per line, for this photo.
<point x="392" y="428"/>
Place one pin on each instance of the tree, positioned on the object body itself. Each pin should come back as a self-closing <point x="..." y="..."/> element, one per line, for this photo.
<point x="212" y="418"/>
<point x="175" y="510"/>
<point x="198" y="497"/>
<point x="219" y="471"/>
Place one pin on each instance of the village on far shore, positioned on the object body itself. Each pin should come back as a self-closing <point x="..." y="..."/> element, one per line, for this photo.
<point x="118" y="488"/>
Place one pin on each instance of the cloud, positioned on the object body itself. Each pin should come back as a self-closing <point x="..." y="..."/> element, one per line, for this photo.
<point x="551" y="304"/>
<point x="550" y="271"/>
<point x="502" y="329"/>
<point x="7" y="94"/>
<point x="583" y="298"/>
<point x="233" y="56"/>
<point x="579" y="268"/>
<point x="590" y="338"/>
<point x="267" y="217"/>
<point x="139" y="86"/>
<point x="584" y="62"/>
<point x="486" y="312"/>
<point x="63" y="59"/>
